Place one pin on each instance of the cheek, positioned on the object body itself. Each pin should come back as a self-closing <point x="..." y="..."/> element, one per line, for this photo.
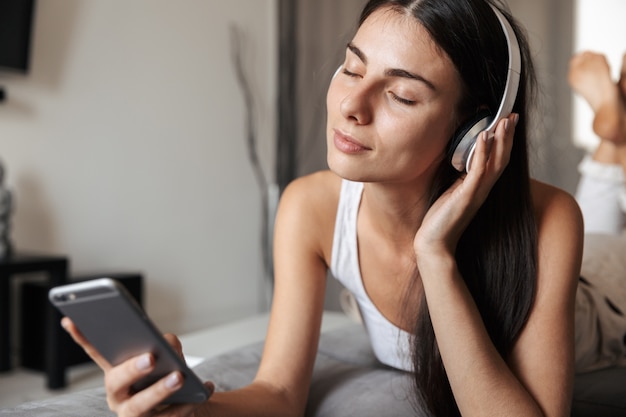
<point x="427" y="137"/>
<point x="441" y="129"/>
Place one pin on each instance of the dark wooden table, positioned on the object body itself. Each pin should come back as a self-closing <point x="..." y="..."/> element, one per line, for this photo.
<point x="55" y="267"/>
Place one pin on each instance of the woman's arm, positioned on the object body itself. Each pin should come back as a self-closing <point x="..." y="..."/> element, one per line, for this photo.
<point x="543" y="357"/>
<point x="537" y="380"/>
<point x="282" y="382"/>
<point x="303" y="239"/>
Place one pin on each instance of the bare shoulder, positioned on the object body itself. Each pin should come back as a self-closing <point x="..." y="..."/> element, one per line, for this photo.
<point x="314" y="194"/>
<point x="308" y="208"/>
<point x="312" y="185"/>
<point x="560" y="237"/>
<point x="555" y="208"/>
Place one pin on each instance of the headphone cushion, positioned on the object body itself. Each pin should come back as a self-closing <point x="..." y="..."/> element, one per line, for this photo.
<point x="464" y="129"/>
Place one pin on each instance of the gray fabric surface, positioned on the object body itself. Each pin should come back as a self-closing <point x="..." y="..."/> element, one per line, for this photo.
<point x="600" y="393"/>
<point x="347" y="381"/>
<point x="91" y="403"/>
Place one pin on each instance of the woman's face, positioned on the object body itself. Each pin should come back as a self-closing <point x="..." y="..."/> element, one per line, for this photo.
<point x="392" y="106"/>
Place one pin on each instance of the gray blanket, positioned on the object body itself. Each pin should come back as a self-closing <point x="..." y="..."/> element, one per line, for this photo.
<point x="347" y="381"/>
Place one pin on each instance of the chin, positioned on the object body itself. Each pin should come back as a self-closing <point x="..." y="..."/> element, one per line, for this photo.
<point x="340" y="168"/>
<point x="348" y="170"/>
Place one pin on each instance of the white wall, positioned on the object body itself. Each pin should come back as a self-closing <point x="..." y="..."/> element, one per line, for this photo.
<point x="125" y="148"/>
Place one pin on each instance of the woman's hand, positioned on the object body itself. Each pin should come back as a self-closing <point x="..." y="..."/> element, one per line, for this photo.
<point x="119" y="380"/>
<point x="449" y="216"/>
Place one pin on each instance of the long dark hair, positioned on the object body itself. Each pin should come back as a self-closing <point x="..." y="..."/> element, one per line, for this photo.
<point x="497" y="254"/>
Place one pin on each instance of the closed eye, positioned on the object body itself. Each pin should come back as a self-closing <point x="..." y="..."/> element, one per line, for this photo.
<point x="401" y="100"/>
<point x="349" y="73"/>
<point x="394" y="96"/>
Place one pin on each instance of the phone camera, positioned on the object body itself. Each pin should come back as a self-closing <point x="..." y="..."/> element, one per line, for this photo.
<point x="65" y="297"/>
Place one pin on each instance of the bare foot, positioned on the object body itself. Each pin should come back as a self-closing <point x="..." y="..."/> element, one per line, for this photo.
<point x="590" y="77"/>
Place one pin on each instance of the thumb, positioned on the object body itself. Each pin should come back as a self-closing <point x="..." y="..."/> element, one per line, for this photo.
<point x="210" y="386"/>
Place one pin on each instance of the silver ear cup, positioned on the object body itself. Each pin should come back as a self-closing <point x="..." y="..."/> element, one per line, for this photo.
<point x="462" y="156"/>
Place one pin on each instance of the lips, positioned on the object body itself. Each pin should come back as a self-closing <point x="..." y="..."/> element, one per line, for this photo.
<point x="347" y="144"/>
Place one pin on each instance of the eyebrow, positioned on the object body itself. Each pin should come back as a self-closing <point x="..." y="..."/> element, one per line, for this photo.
<point x="393" y="72"/>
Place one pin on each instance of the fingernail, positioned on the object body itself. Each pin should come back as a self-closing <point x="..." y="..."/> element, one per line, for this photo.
<point x="506" y="125"/>
<point x="144" y="362"/>
<point x="516" y="118"/>
<point x="64" y="323"/>
<point x="173" y="380"/>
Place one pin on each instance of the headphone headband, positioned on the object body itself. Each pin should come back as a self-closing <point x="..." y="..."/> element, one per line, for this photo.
<point x="465" y="145"/>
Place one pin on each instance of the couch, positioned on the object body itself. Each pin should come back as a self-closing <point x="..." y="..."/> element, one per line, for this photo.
<point x="347" y="381"/>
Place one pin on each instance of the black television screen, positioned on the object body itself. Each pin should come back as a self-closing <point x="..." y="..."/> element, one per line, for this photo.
<point x="16" y="19"/>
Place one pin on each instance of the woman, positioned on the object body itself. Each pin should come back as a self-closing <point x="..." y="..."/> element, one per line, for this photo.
<point x="477" y="270"/>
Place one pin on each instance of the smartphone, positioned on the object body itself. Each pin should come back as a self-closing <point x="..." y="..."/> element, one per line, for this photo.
<point x="116" y="325"/>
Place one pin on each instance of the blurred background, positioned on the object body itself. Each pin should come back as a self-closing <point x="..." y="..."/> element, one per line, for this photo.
<point x="133" y="142"/>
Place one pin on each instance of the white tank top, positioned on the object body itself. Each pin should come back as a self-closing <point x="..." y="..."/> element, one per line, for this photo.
<point x="390" y="344"/>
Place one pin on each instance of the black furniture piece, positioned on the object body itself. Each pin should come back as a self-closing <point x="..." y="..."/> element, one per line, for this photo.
<point x="55" y="268"/>
<point x="33" y="313"/>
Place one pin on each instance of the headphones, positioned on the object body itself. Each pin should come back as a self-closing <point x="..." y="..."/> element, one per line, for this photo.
<point x="463" y="143"/>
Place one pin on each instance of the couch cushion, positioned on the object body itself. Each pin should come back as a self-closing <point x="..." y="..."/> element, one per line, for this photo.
<point x="600" y="393"/>
<point x="91" y="402"/>
<point x="347" y="381"/>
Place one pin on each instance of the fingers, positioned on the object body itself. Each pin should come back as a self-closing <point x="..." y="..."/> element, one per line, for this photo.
<point x="78" y="337"/>
<point x="491" y="156"/>
<point x="493" y="151"/>
<point x="503" y="143"/>
<point x="125" y="402"/>
<point x="119" y="379"/>
<point x="484" y="145"/>
<point x="175" y="343"/>
<point x="210" y="386"/>
<point x="150" y="400"/>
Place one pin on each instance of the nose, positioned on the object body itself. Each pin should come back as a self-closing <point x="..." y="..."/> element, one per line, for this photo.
<point x="357" y="104"/>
